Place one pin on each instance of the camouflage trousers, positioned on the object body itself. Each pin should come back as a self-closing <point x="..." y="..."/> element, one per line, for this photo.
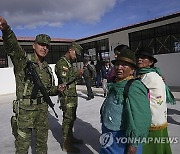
<point x="35" y="120"/>
<point x="69" y="108"/>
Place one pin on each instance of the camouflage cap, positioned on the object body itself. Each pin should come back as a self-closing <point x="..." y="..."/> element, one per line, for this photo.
<point x="76" y="47"/>
<point x="43" y="39"/>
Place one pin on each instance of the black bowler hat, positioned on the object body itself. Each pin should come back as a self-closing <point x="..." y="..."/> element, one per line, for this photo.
<point x="146" y="51"/>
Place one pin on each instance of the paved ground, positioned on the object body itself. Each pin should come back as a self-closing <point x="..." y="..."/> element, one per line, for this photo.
<point x="87" y="125"/>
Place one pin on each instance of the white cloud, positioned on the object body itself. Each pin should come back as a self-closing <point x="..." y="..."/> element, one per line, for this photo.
<point x="33" y="13"/>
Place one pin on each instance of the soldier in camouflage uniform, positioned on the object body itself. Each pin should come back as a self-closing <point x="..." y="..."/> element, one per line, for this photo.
<point x="89" y="75"/>
<point x="68" y="102"/>
<point x="30" y="113"/>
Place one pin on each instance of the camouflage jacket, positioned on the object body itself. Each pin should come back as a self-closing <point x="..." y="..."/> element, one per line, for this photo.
<point x="65" y="73"/>
<point x="19" y="59"/>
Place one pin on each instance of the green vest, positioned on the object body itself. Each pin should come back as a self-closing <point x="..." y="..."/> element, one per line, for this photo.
<point x="112" y="108"/>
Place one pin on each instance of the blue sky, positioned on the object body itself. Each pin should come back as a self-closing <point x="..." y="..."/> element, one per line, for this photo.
<point x="77" y="19"/>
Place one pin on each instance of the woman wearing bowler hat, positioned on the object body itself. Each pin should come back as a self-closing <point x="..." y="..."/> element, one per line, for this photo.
<point x="125" y="121"/>
<point x="151" y="77"/>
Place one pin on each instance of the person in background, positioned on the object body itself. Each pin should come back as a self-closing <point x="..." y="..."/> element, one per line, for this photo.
<point x="66" y="73"/>
<point x="117" y="51"/>
<point x="151" y="77"/>
<point x="94" y="68"/>
<point x="105" y="70"/>
<point x="124" y="118"/>
<point x="30" y="107"/>
<point x="89" y="75"/>
<point x="98" y="73"/>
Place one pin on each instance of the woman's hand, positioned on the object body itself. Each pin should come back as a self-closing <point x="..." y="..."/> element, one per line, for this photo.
<point x="131" y="149"/>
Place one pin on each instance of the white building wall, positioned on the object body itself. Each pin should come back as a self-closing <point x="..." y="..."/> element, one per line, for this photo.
<point x="116" y="39"/>
<point x="7" y="81"/>
<point x="169" y="65"/>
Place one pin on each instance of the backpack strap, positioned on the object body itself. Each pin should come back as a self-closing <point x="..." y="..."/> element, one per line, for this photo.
<point x="126" y="88"/>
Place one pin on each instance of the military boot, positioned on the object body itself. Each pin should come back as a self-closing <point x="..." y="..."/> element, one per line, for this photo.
<point x="75" y="140"/>
<point x="69" y="147"/>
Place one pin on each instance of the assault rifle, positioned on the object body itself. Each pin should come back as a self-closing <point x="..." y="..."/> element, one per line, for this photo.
<point x="38" y="85"/>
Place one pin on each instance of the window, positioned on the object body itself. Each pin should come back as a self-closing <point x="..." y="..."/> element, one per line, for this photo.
<point x="55" y="52"/>
<point x="3" y="58"/>
<point x="163" y="39"/>
<point x="101" y="48"/>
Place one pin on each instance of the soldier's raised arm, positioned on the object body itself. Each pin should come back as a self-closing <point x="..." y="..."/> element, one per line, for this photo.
<point x="10" y="43"/>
